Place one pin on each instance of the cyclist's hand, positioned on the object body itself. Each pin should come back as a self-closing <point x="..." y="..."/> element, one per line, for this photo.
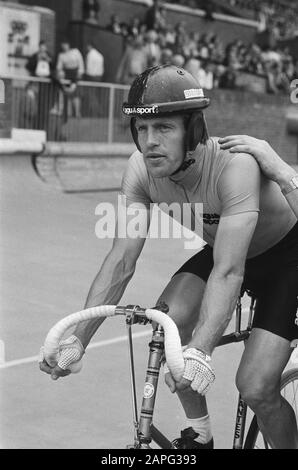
<point x="71" y="351"/>
<point x="198" y="374"/>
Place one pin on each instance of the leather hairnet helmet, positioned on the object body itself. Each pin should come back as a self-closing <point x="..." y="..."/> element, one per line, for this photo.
<point x="165" y="90"/>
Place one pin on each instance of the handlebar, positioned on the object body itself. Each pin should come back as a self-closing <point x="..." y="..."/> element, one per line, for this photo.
<point x="173" y="349"/>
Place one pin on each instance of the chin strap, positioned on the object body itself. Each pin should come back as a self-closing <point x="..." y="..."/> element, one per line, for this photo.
<point x="185" y="165"/>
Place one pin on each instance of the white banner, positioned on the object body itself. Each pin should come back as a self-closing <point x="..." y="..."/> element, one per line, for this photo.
<point x="19" y="39"/>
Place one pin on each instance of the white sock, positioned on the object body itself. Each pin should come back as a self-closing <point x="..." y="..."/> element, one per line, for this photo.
<point x="202" y="426"/>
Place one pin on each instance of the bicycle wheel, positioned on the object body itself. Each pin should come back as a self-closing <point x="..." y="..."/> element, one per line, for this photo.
<point x="289" y="390"/>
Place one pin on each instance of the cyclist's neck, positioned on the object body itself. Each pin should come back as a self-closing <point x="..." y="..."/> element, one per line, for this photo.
<point x="191" y="170"/>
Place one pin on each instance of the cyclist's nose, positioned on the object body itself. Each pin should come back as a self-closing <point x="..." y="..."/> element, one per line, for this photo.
<point x="152" y="138"/>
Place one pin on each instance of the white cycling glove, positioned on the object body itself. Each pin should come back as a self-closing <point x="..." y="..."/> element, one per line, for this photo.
<point x="71" y="351"/>
<point x="197" y="370"/>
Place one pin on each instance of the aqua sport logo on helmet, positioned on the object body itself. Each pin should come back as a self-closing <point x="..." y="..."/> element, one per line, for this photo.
<point x="139" y="110"/>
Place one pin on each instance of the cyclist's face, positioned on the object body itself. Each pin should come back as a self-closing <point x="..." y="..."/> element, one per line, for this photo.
<point x="162" y="144"/>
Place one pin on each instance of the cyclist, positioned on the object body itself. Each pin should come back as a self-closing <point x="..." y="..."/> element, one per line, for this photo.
<point x="251" y="239"/>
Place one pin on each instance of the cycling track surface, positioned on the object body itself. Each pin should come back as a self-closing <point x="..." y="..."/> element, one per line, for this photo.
<point x="49" y="257"/>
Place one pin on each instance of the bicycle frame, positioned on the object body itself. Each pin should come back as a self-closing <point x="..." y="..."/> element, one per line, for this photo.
<point x="144" y="430"/>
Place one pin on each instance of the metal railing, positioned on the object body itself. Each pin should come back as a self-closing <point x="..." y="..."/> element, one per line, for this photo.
<point x="83" y="112"/>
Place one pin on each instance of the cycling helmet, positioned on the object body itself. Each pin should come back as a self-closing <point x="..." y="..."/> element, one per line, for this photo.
<point x="165" y="90"/>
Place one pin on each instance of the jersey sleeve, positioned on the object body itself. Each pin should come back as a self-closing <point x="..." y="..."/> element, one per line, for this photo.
<point x="135" y="183"/>
<point x="239" y="186"/>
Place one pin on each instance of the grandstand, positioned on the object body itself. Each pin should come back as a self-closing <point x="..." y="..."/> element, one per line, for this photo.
<point x="242" y="51"/>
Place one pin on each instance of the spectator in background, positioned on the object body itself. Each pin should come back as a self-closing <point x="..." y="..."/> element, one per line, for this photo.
<point x="90" y="11"/>
<point x="155" y="18"/>
<point x="191" y="47"/>
<point x="178" y="60"/>
<point x="67" y="101"/>
<point x="134" y="61"/>
<point x="40" y="63"/>
<point x="152" y="48"/>
<point x="170" y="35"/>
<point x="181" y="37"/>
<point x="192" y="65"/>
<point x="124" y="30"/>
<point x="115" y="25"/>
<point x="205" y="75"/>
<point x="94" y="62"/>
<point x="134" y="27"/>
<point x="166" y="56"/>
<point x="203" y="47"/>
<point x="70" y="62"/>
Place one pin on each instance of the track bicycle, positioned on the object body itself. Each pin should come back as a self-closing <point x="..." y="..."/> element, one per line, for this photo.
<point x="165" y="343"/>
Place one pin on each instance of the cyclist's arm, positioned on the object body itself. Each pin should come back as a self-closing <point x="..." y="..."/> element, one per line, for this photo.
<point x="113" y="277"/>
<point x="240" y="208"/>
<point x="232" y="241"/>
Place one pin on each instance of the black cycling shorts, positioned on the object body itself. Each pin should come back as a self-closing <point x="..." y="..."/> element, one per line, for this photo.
<point x="273" y="279"/>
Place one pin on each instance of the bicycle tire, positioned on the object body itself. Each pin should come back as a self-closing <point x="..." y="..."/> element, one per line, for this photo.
<point x="252" y="435"/>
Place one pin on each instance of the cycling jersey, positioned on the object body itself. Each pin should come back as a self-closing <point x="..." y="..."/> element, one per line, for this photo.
<point x="225" y="183"/>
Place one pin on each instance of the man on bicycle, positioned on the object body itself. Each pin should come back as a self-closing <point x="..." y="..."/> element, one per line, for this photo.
<point x="251" y="237"/>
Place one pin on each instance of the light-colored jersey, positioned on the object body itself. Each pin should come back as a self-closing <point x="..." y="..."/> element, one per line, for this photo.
<point x="225" y="183"/>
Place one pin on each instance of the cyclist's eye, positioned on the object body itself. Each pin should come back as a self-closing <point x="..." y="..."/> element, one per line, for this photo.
<point x="141" y="128"/>
<point x="164" y="128"/>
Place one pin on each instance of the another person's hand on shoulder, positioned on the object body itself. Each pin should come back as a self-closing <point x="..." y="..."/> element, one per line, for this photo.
<point x="270" y="162"/>
<point x="272" y="165"/>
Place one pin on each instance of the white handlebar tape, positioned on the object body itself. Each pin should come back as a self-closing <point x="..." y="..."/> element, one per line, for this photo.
<point x="54" y="336"/>
<point x="173" y="348"/>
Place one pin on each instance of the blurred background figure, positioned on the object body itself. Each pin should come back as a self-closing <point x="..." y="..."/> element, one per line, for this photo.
<point x="178" y="60"/>
<point x="115" y="25"/>
<point x="155" y="17"/>
<point x="70" y="62"/>
<point x="152" y="48"/>
<point x="90" y="11"/>
<point x="40" y="64"/>
<point x="134" y="61"/>
<point x="166" y="56"/>
<point x="94" y="61"/>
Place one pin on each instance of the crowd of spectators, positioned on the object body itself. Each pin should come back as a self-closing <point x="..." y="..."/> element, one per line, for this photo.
<point x="279" y="15"/>
<point x="154" y="41"/>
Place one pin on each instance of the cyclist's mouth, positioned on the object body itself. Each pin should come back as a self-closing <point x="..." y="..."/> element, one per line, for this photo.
<point x="155" y="157"/>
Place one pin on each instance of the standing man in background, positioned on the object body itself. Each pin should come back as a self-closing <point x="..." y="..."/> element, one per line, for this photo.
<point x="94" y="62"/>
<point x="70" y="62"/>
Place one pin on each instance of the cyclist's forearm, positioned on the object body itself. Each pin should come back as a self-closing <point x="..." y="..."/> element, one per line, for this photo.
<point x="107" y="289"/>
<point x="218" y="304"/>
